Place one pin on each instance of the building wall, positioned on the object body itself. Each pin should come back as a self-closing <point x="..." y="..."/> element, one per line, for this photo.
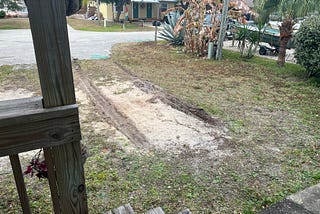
<point x="169" y="5"/>
<point x="106" y="11"/>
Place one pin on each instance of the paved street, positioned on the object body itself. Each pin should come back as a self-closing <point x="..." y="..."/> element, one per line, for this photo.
<point x="17" y="48"/>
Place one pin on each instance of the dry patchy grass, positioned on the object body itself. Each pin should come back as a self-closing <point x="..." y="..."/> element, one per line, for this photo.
<point x="273" y="115"/>
<point x="95" y="25"/>
<point x="272" y="112"/>
<point x="14" y="23"/>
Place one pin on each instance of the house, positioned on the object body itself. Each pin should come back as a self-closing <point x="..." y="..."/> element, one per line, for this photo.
<point x="135" y="10"/>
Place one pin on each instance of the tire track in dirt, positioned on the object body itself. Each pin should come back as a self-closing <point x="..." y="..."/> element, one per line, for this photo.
<point x="150" y="117"/>
<point x="172" y="100"/>
<point x="108" y="111"/>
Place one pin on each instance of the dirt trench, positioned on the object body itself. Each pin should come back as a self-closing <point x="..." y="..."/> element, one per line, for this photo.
<point x="153" y="119"/>
<point x="146" y="115"/>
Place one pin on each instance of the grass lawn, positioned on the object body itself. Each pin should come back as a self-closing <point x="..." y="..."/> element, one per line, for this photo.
<point x="78" y="24"/>
<point x="94" y="25"/>
<point x="273" y="115"/>
<point x="14" y="23"/>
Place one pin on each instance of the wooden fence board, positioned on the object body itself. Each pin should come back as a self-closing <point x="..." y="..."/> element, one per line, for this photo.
<point x="70" y="180"/>
<point x="21" y="188"/>
<point x="33" y="127"/>
<point x="48" y="155"/>
<point x="157" y="210"/>
<point x="50" y="38"/>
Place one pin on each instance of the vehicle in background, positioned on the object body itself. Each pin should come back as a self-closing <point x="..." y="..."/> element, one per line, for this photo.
<point x="93" y="18"/>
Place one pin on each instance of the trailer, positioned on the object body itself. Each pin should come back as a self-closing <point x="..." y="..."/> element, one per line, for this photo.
<point x="270" y="40"/>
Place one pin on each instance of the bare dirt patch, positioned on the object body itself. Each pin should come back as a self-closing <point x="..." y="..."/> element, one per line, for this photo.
<point x="149" y="122"/>
<point x="271" y="115"/>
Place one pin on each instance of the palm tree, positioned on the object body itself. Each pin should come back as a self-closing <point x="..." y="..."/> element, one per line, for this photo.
<point x="289" y="10"/>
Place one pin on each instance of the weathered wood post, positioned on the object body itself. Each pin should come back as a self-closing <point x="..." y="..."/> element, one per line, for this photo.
<point x="51" y="43"/>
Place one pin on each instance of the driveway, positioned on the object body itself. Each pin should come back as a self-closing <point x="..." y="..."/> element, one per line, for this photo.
<point x="17" y="48"/>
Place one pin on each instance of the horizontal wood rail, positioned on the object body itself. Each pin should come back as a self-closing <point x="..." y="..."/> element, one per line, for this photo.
<point x="25" y="125"/>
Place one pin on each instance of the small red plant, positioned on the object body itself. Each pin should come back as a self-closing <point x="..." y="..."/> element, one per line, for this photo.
<point x="37" y="167"/>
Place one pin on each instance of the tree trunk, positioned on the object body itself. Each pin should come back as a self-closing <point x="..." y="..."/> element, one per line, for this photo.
<point x="98" y="10"/>
<point x="286" y="30"/>
<point x="119" y="9"/>
<point x="282" y="51"/>
<point x="112" y="11"/>
<point x="118" y="16"/>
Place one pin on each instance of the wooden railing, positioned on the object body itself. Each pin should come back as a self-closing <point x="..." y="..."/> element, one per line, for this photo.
<point x="50" y="122"/>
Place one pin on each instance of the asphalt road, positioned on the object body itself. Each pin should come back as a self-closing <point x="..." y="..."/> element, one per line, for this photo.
<point x="16" y="46"/>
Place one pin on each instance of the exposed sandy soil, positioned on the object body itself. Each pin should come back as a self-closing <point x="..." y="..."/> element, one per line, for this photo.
<point x="140" y="115"/>
<point x="164" y="127"/>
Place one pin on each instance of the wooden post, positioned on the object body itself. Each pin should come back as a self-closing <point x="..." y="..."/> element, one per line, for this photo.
<point x="155" y="34"/>
<point x="50" y="39"/>
<point x="18" y="176"/>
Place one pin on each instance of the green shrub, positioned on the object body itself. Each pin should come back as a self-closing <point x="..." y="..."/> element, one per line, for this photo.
<point x="2" y="14"/>
<point x="168" y="33"/>
<point x="248" y="41"/>
<point x="307" y="43"/>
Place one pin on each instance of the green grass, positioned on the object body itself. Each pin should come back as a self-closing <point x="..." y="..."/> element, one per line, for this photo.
<point x="95" y="25"/>
<point x="19" y="76"/>
<point x="272" y="114"/>
<point x="78" y="24"/>
<point x="14" y="23"/>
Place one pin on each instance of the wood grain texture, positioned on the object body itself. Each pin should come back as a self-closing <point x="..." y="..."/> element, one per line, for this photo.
<point x="48" y="155"/>
<point x="126" y="209"/>
<point x="50" y="37"/>
<point x="70" y="178"/>
<point x="21" y="188"/>
<point x="157" y="210"/>
<point x="24" y="129"/>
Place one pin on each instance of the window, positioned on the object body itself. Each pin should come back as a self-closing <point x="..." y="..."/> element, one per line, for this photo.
<point x="163" y="7"/>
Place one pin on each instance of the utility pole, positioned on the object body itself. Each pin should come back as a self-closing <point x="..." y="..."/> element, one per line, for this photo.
<point x="223" y="28"/>
<point x="98" y="10"/>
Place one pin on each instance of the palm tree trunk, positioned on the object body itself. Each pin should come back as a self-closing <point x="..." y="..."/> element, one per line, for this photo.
<point x="282" y="51"/>
<point x="286" y="30"/>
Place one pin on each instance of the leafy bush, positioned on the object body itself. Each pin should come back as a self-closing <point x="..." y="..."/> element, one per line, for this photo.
<point x="307" y="43"/>
<point x="2" y="14"/>
<point x="168" y="33"/>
